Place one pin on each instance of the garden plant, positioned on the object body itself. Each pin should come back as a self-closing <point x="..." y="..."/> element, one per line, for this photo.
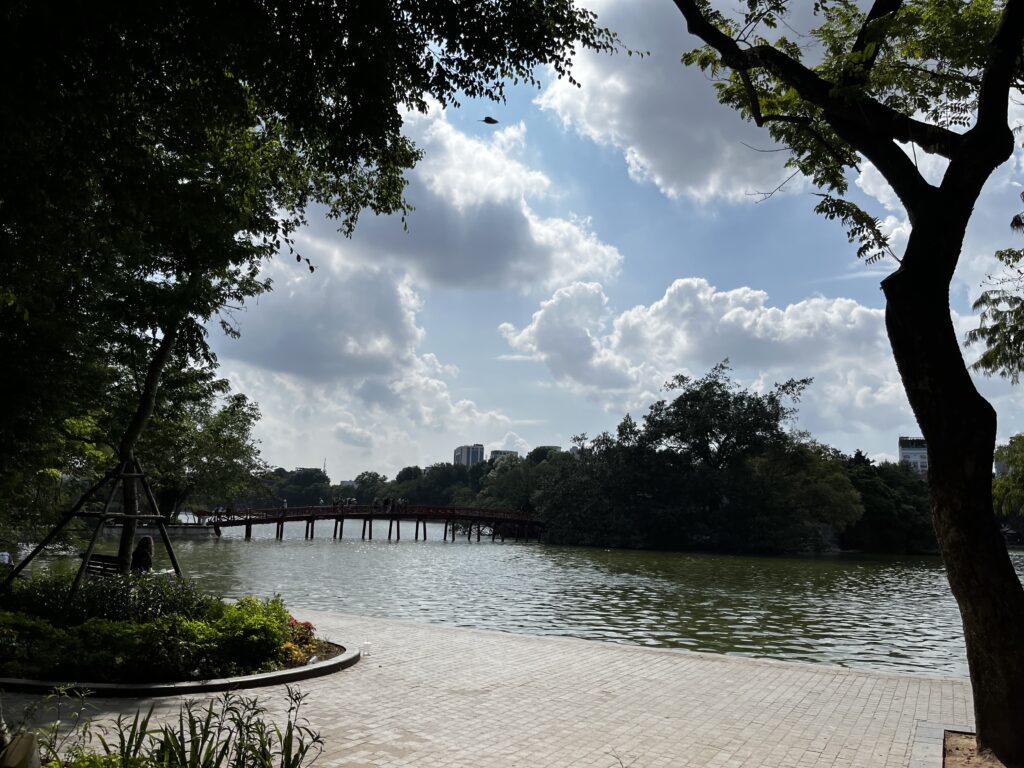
<point x="144" y="629"/>
<point x="230" y="731"/>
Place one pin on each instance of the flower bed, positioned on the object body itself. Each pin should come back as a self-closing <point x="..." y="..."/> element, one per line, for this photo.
<point x="145" y="629"/>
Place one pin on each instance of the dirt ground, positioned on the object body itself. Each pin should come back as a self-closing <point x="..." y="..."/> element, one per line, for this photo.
<point x="961" y="752"/>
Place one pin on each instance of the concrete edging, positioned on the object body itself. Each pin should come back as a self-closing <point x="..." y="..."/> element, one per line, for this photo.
<point x="145" y="690"/>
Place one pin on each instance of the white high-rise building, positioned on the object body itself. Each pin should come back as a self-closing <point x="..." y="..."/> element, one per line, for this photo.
<point x="468" y="455"/>
<point x="914" y="451"/>
<point x="502" y="454"/>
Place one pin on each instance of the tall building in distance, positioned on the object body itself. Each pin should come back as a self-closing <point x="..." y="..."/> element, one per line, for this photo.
<point x="468" y="455"/>
<point x="914" y="451"/>
<point x="502" y="454"/>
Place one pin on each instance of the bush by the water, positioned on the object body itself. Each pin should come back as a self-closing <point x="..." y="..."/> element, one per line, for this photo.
<point x="137" y="629"/>
<point x="118" y="598"/>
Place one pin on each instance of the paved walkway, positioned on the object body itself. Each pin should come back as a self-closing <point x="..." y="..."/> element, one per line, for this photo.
<point x="433" y="696"/>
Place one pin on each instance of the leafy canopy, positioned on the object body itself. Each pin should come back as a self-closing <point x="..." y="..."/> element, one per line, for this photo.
<point x="159" y="153"/>
<point x="906" y="72"/>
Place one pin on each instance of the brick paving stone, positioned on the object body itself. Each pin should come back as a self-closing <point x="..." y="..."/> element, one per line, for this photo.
<point x="433" y="696"/>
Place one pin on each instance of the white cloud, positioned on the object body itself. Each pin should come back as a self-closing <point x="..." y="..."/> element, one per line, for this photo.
<point x="565" y="333"/>
<point x="620" y="360"/>
<point x="510" y="442"/>
<point x="661" y="115"/>
<point x="334" y="361"/>
<point x="474" y="224"/>
<point x="468" y="172"/>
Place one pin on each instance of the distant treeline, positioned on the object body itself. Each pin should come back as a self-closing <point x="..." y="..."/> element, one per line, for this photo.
<point x="714" y="468"/>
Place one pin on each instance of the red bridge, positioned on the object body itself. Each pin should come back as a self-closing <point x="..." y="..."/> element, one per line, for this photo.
<point x="492" y="522"/>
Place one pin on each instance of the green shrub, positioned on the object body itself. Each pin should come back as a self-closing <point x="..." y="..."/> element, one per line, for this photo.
<point x="102" y="650"/>
<point x="253" y="631"/>
<point x="118" y="598"/>
<point x="249" y="636"/>
<point x="183" y="648"/>
<point x="31" y="647"/>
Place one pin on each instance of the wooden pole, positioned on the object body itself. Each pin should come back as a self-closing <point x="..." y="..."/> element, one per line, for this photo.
<point x="167" y="545"/>
<point x="151" y="498"/>
<point x="86" y="557"/>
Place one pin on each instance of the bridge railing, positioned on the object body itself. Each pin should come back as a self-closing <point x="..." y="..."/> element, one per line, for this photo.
<point x="409" y="511"/>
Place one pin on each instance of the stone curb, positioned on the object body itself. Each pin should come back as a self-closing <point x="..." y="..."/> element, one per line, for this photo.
<point x="146" y="690"/>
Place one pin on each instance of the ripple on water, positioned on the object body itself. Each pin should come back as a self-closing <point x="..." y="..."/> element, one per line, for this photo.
<point x="883" y="613"/>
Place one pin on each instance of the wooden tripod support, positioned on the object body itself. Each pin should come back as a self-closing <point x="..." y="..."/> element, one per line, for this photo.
<point x="129" y="469"/>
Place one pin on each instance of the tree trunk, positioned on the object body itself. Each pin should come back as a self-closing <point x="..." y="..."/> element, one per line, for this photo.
<point x="959" y="426"/>
<point x="126" y="451"/>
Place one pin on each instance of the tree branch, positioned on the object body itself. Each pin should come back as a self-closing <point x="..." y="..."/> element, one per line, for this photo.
<point x="855" y="109"/>
<point x="993" y="95"/>
<point x="880" y="9"/>
<point x="990" y="142"/>
<point x="151" y="385"/>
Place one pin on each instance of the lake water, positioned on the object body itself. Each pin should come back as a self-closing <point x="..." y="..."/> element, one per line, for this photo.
<point x="879" y="613"/>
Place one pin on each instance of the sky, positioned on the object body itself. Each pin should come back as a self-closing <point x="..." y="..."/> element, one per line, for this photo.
<point x="561" y="265"/>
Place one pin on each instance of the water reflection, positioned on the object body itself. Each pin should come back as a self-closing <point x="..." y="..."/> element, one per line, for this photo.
<point x="893" y="614"/>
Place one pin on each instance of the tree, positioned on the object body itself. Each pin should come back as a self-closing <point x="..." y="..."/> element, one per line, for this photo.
<point x="713" y="422"/>
<point x="897" y="513"/>
<point x="508" y="484"/>
<point x="1008" y="485"/>
<point x="936" y="75"/>
<point x="203" y="452"/>
<point x="160" y="153"/>
<point x="407" y="474"/>
<point x="441" y="482"/>
<point x="791" y="496"/>
<point x="369" y="486"/>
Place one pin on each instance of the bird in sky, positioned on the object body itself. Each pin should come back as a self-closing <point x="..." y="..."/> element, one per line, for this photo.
<point x="489" y="120"/>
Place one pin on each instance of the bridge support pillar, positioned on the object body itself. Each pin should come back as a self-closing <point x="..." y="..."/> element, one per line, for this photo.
<point x="339" y="527"/>
<point x="248" y="531"/>
<point x="371" y="529"/>
<point x="469" y="532"/>
<point x="398" y="529"/>
<point x="279" y="532"/>
<point x="477" y="531"/>
<point x="417" y="529"/>
<point x="446" y="530"/>
<point x="364" y="529"/>
<point x="494" y="531"/>
<point x="391" y="524"/>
